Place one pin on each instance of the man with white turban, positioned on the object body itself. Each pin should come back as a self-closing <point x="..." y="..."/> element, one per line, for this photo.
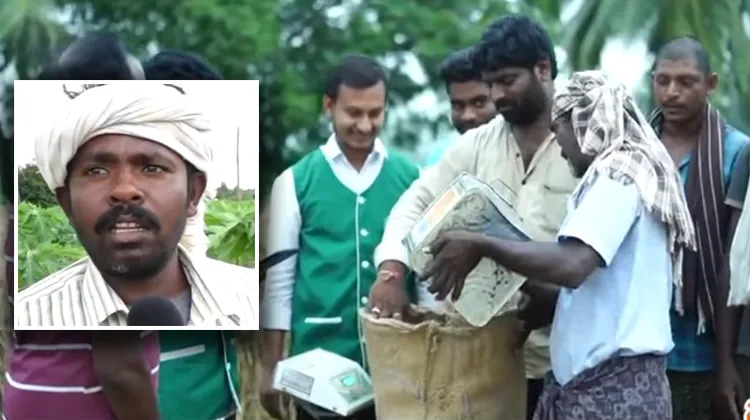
<point x="128" y="164"/>
<point x="617" y="255"/>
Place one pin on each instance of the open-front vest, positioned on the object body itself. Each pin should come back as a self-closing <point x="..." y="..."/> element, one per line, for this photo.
<point x="340" y="230"/>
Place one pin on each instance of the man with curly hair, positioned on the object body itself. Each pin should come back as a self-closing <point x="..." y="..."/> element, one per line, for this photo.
<point x="517" y="60"/>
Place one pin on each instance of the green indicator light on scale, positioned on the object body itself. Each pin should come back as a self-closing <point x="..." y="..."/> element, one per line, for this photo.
<point x="348" y="380"/>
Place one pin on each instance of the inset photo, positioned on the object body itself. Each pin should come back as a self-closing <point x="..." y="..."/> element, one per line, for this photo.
<point x="136" y="205"/>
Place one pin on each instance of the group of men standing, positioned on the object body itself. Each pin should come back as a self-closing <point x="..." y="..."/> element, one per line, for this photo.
<point x="627" y="316"/>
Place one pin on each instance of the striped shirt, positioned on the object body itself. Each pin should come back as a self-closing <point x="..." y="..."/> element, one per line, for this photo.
<point x="78" y="296"/>
<point x="51" y="376"/>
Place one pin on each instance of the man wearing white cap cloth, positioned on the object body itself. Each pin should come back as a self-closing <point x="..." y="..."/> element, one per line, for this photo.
<point x="617" y="255"/>
<point x="128" y="163"/>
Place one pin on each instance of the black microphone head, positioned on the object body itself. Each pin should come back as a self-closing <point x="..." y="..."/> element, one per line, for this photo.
<point x="154" y="311"/>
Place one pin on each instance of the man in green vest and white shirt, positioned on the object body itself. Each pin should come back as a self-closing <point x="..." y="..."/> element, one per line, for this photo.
<point x="332" y="206"/>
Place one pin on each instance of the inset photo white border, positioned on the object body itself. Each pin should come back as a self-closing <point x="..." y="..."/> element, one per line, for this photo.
<point x="232" y="110"/>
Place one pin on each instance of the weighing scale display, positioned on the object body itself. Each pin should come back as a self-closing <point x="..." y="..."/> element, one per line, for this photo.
<point x="322" y="380"/>
<point x="349" y="381"/>
<point x="351" y="386"/>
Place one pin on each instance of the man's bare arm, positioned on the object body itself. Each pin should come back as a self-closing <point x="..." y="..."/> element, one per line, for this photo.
<point x="273" y="346"/>
<point x="540" y="310"/>
<point x="124" y="375"/>
<point x="567" y="263"/>
<point x="728" y="318"/>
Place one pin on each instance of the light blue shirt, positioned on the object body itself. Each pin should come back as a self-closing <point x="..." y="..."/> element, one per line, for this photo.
<point x="694" y="352"/>
<point x="622" y="309"/>
<point x="436" y="154"/>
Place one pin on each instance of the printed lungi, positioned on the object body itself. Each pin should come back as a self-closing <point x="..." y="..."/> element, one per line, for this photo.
<point x="623" y="388"/>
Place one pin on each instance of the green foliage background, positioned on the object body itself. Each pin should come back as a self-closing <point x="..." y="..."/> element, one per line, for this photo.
<point x="47" y="242"/>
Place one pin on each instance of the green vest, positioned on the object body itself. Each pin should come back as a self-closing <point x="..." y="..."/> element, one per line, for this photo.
<point x="338" y="236"/>
<point x="198" y="377"/>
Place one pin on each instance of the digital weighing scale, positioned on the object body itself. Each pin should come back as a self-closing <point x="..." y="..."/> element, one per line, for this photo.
<point x="321" y="379"/>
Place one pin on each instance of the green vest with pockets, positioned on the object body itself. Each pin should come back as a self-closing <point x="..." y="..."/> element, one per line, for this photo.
<point x="335" y="270"/>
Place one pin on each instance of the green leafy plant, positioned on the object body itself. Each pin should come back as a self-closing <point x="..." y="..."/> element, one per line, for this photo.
<point x="230" y="227"/>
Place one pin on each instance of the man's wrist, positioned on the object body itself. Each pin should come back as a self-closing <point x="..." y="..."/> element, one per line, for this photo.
<point x="392" y="271"/>
<point x="724" y="360"/>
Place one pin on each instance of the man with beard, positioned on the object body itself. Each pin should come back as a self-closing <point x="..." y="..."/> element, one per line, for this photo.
<point x="331" y="206"/>
<point x="705" y="148"/>
<point x="617" y="256"/>
<point x="517" y="59"/>
<point x="127" y="163"/>
<point x="469" y="95"/>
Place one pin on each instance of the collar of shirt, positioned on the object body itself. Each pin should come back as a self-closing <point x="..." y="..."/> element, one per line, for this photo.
<point x="101" y="302"/>
<point x="334" y="154"/>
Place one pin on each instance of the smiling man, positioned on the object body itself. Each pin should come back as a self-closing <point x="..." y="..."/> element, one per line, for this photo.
<point x="331" y="206"/>
<point x="128" y="163"/>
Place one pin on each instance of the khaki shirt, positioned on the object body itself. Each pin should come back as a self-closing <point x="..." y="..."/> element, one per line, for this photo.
<point x="539" y="194"/>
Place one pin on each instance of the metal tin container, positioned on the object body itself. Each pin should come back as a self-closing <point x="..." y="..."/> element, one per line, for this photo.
<point x="470" y="204"/>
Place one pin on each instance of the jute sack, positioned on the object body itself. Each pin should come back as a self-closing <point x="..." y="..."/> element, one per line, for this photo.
<point x="436" y="370"/>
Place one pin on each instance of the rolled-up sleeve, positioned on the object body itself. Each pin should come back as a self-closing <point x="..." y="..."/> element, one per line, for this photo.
<point x="460" y="157"/>
<point x="284" y="224"/>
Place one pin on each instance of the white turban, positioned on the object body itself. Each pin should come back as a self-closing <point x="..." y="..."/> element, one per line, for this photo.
<point x="146" y="110"/>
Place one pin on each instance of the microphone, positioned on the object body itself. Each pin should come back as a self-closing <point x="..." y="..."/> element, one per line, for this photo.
<point x="154" y="311"/>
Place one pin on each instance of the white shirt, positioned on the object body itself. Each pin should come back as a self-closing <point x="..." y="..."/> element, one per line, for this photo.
<point x="621" y="309"/>
<point x="285" y="221"/>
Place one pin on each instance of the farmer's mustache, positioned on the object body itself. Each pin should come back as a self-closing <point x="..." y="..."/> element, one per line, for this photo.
<point x="138" y="214"/>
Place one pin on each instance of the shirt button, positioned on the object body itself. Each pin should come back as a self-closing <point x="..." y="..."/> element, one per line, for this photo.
<point x="363" y="232"/>
<point x="364" y="300"/>
<point x="365" y="264"/>
<point x="361" y="200"/>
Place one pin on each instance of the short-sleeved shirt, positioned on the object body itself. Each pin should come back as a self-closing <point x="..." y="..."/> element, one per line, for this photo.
<point x="51" y="376"/>
<point x="622" y="308"/>
<point x="695" y="352"/>
<point x="738" y="187"/>
<point x="736" y="195"/>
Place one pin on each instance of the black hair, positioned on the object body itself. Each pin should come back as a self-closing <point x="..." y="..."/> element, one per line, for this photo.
<point x="685" y="47"/>
<point x="354" y="71"/>
<point x="459" y="68"/>
<point x="94" y="56"/>
<point x="514" y="41"/>
<point x="179" y="65"/>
